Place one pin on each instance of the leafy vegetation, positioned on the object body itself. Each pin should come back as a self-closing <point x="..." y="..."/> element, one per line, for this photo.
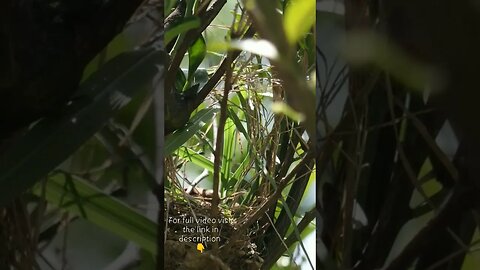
<point x="398" y="142"/>
<point x="230" y="84"/>
<point x="243" y="138"/>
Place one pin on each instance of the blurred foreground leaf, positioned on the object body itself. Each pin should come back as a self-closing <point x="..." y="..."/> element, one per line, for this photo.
<point x="283" y="108"/>
<point x="53" y="140"/>
<point x="81" y="198"/>
<point x="261" y="47"/>
<point x="364" y="48"/>
<point x="299" y="18"/>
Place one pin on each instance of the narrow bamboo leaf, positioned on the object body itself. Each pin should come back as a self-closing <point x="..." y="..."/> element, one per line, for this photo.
<point x="283" y="108"/>
<point x="295" y="228"/>
<point x="185" y="25"/>
<point x="242" y="169"/>
<point x="177" y="139"/>
<point x="195" y="158"/>
<point x="228" y="151"/>
<point x="196" y="54"/>
<point x="238" y="123"/>
<point x="53" y="140"/>
<point x="101" y="209"/>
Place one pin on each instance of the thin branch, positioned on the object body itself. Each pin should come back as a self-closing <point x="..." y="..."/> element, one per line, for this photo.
<point x="219" y="146"/>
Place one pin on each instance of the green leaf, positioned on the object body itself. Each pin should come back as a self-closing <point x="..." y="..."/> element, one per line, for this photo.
<point x="228" y="151"/>
<point x="283" y="108"/>
<point x="188" y="23"/>
<point x="195" y="158"/>
<point x="101" y="209"/>
<point x="177" y="139"/>
<point x="196" y="54"/>
<point x="238" y="123"/>
<point x="180" y="79"/>
<point x="299" y="19"/>
<point x="241" y="170"/>
<point x="53" y="140"/>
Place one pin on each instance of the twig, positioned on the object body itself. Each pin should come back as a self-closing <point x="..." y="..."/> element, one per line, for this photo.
<point x="213" y="81"/>
<point x="401" y="152"/>
<point x="219" y="145"/>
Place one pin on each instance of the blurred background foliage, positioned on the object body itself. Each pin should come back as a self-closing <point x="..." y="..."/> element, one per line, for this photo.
<point x="397" y="136"/>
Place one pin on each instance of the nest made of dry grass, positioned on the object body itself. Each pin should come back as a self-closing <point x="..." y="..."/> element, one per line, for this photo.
<point x="241" y="255"/>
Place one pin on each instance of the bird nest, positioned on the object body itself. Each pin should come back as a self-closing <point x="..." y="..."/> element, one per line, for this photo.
<point x="189" y="223"/>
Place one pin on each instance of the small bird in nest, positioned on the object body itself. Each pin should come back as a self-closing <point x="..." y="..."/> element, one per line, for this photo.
<point x="207" y="195"/>
<point x="199" y="192"/>
<point x="45" y="46"/>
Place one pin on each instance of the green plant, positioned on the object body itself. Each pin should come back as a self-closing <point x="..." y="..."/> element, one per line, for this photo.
<point x="240" y="132"/>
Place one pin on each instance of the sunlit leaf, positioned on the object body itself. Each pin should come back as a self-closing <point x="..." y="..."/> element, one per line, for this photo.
<point x="283" y="108"/>
<point x="260" y="47"/>
<point x="185" y="25"/>
<point x="299" y="18"/>
<point x="196" y="54"/>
